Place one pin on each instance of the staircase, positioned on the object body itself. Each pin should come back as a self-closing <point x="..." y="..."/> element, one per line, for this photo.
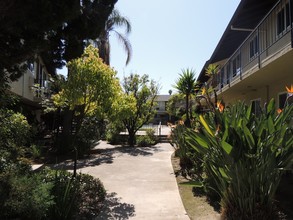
<point x="163" y="139"/>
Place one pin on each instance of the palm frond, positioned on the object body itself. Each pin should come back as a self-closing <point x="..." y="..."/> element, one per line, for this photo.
<point x="126" y="44"/>
<point x="117" y="20"/>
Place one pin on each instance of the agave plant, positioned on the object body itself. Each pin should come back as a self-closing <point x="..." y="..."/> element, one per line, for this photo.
<point x="245" y="155"/>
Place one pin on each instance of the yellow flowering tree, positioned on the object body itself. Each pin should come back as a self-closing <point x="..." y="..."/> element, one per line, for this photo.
<point x="90" y="90"/>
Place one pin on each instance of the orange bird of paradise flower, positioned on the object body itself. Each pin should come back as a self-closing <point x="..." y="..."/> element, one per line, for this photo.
<point x="220" y="106"/>
<point x="290" y="90"/>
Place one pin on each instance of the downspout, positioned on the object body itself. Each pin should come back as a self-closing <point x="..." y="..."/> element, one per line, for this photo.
<point x="268" y="93"/>
<point x="291" y="20"/>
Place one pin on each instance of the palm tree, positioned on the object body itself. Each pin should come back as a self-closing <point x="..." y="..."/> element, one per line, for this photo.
<point x="186" y="85"/>
<point x="115" y="20"/>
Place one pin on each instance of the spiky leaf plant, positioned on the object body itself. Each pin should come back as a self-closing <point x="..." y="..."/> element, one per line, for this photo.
<point x="245" y="155"/>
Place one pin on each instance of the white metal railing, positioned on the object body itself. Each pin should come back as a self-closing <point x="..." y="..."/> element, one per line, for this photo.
<point x="271" y="35"/>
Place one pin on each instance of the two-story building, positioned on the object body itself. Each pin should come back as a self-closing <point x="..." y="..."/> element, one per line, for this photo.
<point x="162" y="115"/>
<point x="254" y="54"/>
<point x="33" y="86"/>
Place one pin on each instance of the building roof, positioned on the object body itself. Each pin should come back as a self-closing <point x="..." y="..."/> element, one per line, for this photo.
<point x="248" y="15"/>
<point x="163" y="98"/>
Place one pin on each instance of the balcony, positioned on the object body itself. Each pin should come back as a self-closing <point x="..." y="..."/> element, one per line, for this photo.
<point x="42" y="91"/>
<point x="271" y="39"/>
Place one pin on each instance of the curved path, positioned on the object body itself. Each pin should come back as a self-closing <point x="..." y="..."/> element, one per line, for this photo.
<point x="139" y="181"/>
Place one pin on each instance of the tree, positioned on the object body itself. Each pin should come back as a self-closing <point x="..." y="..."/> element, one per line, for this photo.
<point x="186" y="85"/>
<point x="90" y="90"/>
<point x="55" y="29"/>
<point x="175" y="106"/>
<point x="115" y="20"/>
<point x="135" y="107"/>
<point x="91" y="85"/>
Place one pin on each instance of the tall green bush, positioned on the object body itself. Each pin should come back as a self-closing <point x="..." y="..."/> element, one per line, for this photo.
<point x="148" y="139"/>
<point x="14" y="135"/>
<point x="190" y="162"/>
<point x="75" y="197"/>
<point x="24" y="196"/>
<point x="245" y="156"/>
<point x="87" y="135"/>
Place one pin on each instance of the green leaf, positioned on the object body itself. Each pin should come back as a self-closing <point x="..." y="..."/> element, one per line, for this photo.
<point x="203" y="122"/>
<point x="287" y="113"/>
<point x="227" y="147"/>
<point x="260" y="129"/>
<point x="270" y="124"/>
<point x="271" y="106"/>
<point x="196" y="184"/>
<point x="248" y="112"/>
<point x="202" y="140"/>
<point x="223" y="173"/>
<point x="289" y="143"/>
<point x="197" y="141"/>
<point x="248" y="136"/>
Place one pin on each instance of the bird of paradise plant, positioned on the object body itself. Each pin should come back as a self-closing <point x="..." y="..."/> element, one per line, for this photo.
<point x="245" y="156"/>
<point x="290" y="90"/>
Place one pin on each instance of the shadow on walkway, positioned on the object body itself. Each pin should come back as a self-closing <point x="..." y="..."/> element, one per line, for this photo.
<point x="114" y="209"/>
<point x="106" y="155"/>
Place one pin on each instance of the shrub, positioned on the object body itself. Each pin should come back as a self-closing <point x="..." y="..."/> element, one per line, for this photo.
<point x="79" y="197"/>
<point x="65" y="192"/>
<point x="91" y="194"/>
<point x="87" y="135"/>
<point x="144" y="141"/>
<point x="113" y="133"/>
<point x="35" y="151"/>
<point x="245" y="156"/>
<point x="190" y="163"/>
<point x="24" y="196"/>
<point x="14" y="135"/>
<point x="148" y="139"/>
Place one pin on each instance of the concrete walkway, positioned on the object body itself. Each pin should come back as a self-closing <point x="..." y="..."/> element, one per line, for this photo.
<point x="139" y="181"/>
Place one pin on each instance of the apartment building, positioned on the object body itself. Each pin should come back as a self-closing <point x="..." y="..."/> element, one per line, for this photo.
<point x="254" y="54"/>
<point x="33" y="86"/>
<point x="162" y="115"/>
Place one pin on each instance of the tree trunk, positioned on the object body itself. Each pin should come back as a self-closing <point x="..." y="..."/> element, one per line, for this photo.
<point x="187" y="121"/>
<point x="131" y="138"/>
<point x="65" y="142"/>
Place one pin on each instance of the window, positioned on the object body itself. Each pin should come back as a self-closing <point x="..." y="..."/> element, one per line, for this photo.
<point x="254" y="47"/>
<point x="236" y="65"/>
<point x="255" y="109"/>
<point x="283" y="19"/>
<point x="30" y="66"/>
<point x="161" y="106"/>
<point x="282" y="100"/>
<point x="222" y="77"/>
<point x="41" y="77"/>
<point x="228" y="74"/>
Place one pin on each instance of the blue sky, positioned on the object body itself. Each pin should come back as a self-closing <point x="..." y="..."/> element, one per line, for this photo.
<point x="170" y="35"/>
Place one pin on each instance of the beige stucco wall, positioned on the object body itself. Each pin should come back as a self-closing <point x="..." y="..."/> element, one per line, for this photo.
<point x="22" y="86"/>
<point x="263" y="92"/>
